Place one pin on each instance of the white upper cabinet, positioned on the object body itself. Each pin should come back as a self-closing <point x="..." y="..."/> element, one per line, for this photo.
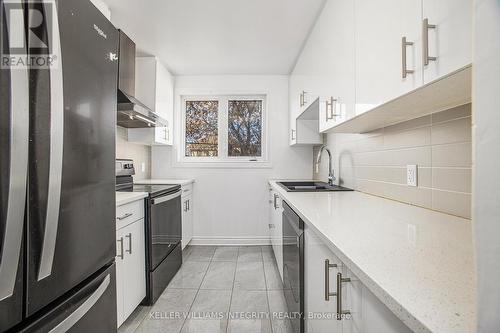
<point x="380" y="54"/>
<point x="449" y="36"/>
<point x="154" y="86"/>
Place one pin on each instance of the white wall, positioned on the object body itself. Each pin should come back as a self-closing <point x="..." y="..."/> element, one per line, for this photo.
<point x="486" y="211"/>
<point x="231" y="205"/>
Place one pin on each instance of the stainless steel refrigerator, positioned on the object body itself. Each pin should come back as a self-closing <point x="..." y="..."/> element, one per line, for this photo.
<point x="57" y="158"/>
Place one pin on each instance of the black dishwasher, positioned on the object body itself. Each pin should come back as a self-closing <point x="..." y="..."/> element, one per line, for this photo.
<point x="293" y="266"/>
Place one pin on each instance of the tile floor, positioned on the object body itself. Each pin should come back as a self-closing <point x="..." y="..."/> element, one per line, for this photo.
<point x="215" y="281"/>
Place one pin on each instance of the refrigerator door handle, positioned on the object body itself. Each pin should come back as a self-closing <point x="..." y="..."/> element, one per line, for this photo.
<point x="18" y="168"/>
<point x="86" y="306"/>
<point x="56" y="150"/>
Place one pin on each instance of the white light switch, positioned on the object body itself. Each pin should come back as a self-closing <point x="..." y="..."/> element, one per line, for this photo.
<point x="412" y="175"/>
<point x="143" y="167"/>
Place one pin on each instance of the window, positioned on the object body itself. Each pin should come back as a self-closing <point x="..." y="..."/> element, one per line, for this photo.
<point x="223" y="129"/>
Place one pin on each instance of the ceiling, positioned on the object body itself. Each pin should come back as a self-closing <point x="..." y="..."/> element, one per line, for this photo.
<point x="202" y="37"/>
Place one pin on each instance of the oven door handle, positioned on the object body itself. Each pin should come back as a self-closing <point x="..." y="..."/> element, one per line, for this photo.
<point x="160" y="200"/>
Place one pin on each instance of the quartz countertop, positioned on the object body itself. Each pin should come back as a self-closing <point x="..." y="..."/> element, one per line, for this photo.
<point x="164" y="181"/>
<point x="418" y="262"/>
<point x="123" y="198"/>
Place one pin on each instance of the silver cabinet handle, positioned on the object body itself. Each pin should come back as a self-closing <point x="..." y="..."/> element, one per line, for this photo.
<point x="340" y="280"/>
<point x="425" y="41"/>
<point x="16" y="195"/>
<point x="121" y="255"/>
<point x="404" y="45"/>
<point x="165" y="133"/>
<point x="124" y="216"/>
<point x="271" y="226"/>
<point x="129" y="236"/>
<point x="83" y="309"/>
<point x="303" y="98"/>
<point x="293" y="134"/>
<point x="332" y="104"/>
<point x="328" y="294"/>
<point x="56" y="152"/>
<point x="276" y="201"/>
<point x="185" y="206"/>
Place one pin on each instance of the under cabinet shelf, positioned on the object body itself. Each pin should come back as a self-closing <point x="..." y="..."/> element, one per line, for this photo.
<point x="452" y="90"/>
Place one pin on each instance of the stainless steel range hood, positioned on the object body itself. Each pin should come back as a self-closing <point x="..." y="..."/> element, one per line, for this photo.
<point x="131" y="112"/>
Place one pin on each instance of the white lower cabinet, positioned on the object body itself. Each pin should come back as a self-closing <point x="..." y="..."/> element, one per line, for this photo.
<point x="130" y="268"/>
<point x="187" y="219"/>
<point x="360" y="311"/>
<point x="276" y="228"/>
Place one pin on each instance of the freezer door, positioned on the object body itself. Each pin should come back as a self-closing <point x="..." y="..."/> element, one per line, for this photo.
<point x="14" y="126"/>
<point x="71" y="219"/>
<point x="90" y="309"/>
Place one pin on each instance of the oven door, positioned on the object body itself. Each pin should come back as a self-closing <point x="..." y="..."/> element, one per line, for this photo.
<point x="164" y="227"/>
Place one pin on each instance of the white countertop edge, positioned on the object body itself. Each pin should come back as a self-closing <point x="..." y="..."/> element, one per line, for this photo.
<point x="398" y="309"/>
<point x="161" y="181"/>
<point x="123" y="198"/>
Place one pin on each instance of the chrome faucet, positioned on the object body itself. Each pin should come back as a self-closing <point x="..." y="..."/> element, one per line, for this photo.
<point x="331" y="176"/>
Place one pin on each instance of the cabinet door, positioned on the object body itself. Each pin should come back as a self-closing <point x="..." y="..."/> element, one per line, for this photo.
<point x="187" y="220"/>
<point x="451" y="39"/>
<point x="120" y="275"/>
<point x="134" y="267"/>
<point x="352" y="302"/>
<point x="278" y="233"/>
<point x="380" y="26"/>
<point x="315" y="286"/>
<point x="377" y="317"/>
<point x="332" y="45"/>
<point x="165" y="99"/>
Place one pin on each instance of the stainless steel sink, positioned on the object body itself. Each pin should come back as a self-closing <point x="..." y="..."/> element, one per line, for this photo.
<point x="311" y="186"/>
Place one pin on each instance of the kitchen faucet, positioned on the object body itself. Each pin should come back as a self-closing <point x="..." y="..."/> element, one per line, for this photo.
<point x="331" y="177"/>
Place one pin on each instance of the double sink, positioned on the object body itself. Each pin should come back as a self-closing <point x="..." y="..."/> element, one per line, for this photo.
<point x="311" y="186"/>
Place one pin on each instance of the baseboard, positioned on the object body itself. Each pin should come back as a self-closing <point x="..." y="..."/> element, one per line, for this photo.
<point x="230" y="241"/>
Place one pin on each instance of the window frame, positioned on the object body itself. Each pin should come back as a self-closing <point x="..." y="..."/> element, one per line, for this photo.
<point x="223" y="160"/>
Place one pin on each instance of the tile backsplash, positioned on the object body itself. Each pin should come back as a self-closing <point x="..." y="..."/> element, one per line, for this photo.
<point x="141" y="154"/>
<point x="440" y="144"/>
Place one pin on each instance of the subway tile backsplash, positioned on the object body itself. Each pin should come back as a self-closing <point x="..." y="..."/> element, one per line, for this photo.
<point x="440" y="144"/>
<point x="139" y="153"/>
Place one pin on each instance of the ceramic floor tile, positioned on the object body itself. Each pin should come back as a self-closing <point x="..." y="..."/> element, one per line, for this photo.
<point x="273" y="278"/>
<point x="249" y="301"/>
<point x="250" y="276"/>
<point x="173" y="300"/>
<point x="249" y="326"/>
<point x="205" y="326"/>
<point x="190" y="275"/>
<point x="250" y="254"/>
<point x="226" y="253"/>
<point x="160" y="325"/>
<point x="201" y="253"/>
<point x="220" y="275"/>
<point x="209" y="312"/>
<point x="282" y="326"/>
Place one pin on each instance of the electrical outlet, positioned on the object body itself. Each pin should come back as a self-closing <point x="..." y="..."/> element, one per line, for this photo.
<point x="412" y="175"/>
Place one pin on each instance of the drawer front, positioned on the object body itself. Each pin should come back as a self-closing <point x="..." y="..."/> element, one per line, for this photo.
<point x="129" y="213"/>
<point x="187" y="189"/>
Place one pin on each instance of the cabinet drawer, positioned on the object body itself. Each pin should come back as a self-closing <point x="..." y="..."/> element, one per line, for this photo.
<point x="187" y="189"/>
<point x="129" y="213"/>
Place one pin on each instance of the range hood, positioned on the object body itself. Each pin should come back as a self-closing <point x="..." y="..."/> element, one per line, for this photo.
<point x="131" y="112"/>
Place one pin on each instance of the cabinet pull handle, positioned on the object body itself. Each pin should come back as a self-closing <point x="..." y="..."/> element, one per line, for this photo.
<point x="185" y="206"/>
<point x="276" y="201"/>
<point x="425" y="41"/>
<point x="404" y="45"/>
<point x="293" y="136"/>
<point x="340" y="280"/>
<point x="129" y="236"/>
<point x="189" y="205"/>
<point x="121" y="255"/>
<point x="332" y="104"/>
<point x="328" y="294"/>
<point x="271" y="226"/>
<point x="124" y="216"/>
